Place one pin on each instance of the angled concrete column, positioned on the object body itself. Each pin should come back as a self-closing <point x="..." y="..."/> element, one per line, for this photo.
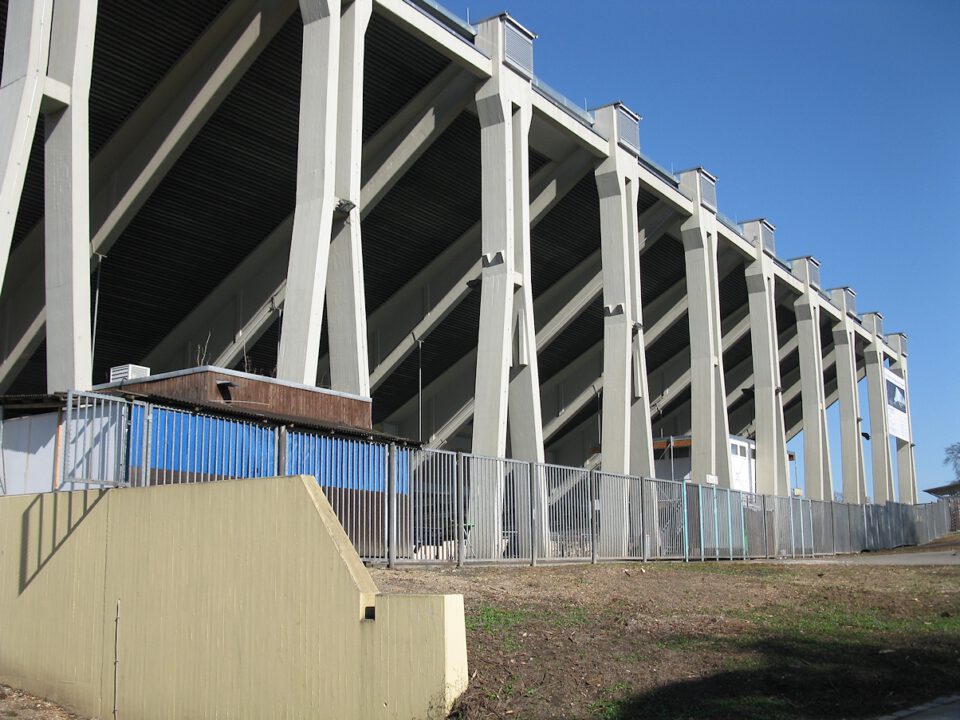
<point x="851" y="441"/>
<point x="623" y="360"/>
<point x="507" y="330"/>
<point x="906" y="462"/>
<point x="25" y="50"/>
<point x="316" y="196"/>
<point x="507" y="378"/>
<point x="882" y="461"/>
<point x="346" y="308"/>
<point x="772" y="467"/>
<point x="817" y="474"/>
<point x="67" y="199"/>
<point x="613" y="188"/>
<point x="710" y="451"/>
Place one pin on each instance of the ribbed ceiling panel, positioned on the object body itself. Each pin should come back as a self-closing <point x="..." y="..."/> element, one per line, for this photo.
<point x="566" y="236"/>
<point x="136" y="45"/>
<point x="581" y="335"/>
<point x="661" y="267"/>
<point x="433" y="204"/>
<point x="733" y="291"/>
<point x="453" y="339"/>
<point x="742" y="350"/>
<point x="231" y="187"/>
<point x="645" y="200"/>
<point x="590" y="410"/>
<point x="396" y="67"/>
<point x="672" y="343"/>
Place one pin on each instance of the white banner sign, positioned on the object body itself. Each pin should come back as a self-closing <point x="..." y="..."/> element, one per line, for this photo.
<point x="897" y="422"/>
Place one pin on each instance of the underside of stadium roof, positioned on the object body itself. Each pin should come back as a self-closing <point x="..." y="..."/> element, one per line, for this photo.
<point x="233" y="187"/>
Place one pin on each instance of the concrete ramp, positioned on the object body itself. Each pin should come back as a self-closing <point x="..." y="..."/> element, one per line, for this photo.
<point x="236" y="599"/>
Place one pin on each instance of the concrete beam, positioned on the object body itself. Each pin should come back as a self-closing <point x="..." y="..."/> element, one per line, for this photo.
<point x="138" y="156"/>
<point x="772" y="471"/>
<point x="818" y="475"/>
<point x="853" y="470"/>
<point x="403" y="321"/>
<point x="25" y="51"/>
<point x="316" y="197"/>
<point x="906" y="462"/>
<point x="67" y="200"/>
<point x="460" y="51"/>
<point x="710" y="453"/>
<point x="507" y="377"/>
<point x="246" y="302"/>
<point x="882" y="461"/>
<point x="556" y="307"/>
<point x="347" y="308"/>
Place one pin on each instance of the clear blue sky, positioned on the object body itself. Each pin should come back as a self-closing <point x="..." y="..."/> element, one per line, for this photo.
<point x="839" y="120"/>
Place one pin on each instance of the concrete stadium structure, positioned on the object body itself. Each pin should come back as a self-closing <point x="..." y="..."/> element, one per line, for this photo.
<point x="377" y="197"/>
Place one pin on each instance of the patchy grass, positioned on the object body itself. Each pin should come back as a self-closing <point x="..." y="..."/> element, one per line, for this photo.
<point x="717" y="640"/>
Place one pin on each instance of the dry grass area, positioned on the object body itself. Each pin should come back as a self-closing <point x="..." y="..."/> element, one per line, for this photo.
<point x="714" y="640"/>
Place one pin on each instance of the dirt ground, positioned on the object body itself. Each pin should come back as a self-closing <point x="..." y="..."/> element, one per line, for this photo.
<point x="17" y="704"/>
<point x="714" y="640"/>
<point x="699" y="640"/>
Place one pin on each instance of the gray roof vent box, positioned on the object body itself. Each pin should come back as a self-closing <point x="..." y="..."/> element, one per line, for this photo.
<point x="898" y="341"/>
<point x="761" y="232"/>
<point x="846" y="299"/>
<point x="873" y="321"/>
<point x="698" y="182"/>
<point x="518" y="46"/>
<point x="807" y="269"/>
<point x="628" y="129"/>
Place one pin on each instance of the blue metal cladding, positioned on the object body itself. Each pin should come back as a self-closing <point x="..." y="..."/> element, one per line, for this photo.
<point x="345" y="464"/>
<point x="202" y="445"/>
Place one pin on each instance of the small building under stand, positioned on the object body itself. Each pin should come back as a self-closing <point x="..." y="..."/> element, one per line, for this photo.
<point x="672" y="460"/>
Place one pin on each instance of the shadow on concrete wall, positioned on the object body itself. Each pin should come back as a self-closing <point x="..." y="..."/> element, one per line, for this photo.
<point x="47" y="523"/>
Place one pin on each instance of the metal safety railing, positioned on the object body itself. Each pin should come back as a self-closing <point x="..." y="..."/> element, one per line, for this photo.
<point x="411" y="505"/>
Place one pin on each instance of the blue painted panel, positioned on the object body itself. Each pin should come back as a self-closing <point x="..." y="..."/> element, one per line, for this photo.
<point x="183" y="442"/>
<point x="342" y="463"/>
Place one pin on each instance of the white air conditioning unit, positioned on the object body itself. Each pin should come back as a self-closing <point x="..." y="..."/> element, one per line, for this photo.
<point x="128" y="372"/>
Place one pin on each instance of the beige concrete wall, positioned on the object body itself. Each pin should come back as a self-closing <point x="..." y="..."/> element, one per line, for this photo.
<point x="239" y="599"/>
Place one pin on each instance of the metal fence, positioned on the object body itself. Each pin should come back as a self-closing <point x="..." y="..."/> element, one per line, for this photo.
<point x="407" y="505"/>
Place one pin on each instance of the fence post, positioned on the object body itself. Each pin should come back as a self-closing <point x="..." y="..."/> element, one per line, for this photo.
<point x="766" y="530"/>
<point x="793" y="529"/>
<point x="533" y="514"/>
<point x="730" y="523"/>
<point x="282" y="463"/>
<point x="716" y="523"/>
<point x="147" y="444"/>
<point x="643" y="521"/>
<point x="461" y="511"/>
<point x="686" y="525"/>
<point x="703" y="550"/>
<point x="127" y="440"/>
<point x="833" y="525"/>
<point x="391" y="505"/>
<point x="66" y="441"/>
<point x="743" y="528"/>
<point x="592" y="482"/>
